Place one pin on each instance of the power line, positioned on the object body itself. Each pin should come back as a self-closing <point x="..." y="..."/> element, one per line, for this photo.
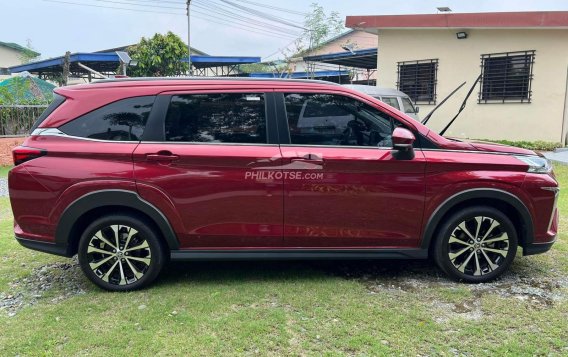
<point x="246" y="20"/>
<point x="273" y="7"/>
<point x="116" y="8"/>
<point x="143" y="5"/>
<point x="240" y="26"/>
<point x="262" y="14"/>
<point x="275" y="30"/>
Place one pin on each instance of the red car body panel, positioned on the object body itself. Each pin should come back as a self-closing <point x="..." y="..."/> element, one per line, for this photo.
<point x="207" y="185"/>
<point x="266" y="196"/>
<point x="365" y="198"/>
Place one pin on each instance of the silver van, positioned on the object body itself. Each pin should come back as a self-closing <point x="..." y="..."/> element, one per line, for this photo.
<point x="392" y="97"/>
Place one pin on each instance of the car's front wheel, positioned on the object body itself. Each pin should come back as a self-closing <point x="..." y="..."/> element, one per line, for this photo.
<point x="120" y="253"/>
<point x="476" y="244"/>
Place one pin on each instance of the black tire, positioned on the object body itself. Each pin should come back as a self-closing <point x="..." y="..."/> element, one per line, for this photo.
<point x="493" y="249"/>
<point x="135" y="264"/>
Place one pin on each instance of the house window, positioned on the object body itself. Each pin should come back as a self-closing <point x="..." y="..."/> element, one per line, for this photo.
<point x="506" y="77"/>
<point x="418" y="80"/>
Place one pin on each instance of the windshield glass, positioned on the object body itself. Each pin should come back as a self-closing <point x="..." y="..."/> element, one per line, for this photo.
<point x="392" y="101"/>
<point x="408" y="107"/>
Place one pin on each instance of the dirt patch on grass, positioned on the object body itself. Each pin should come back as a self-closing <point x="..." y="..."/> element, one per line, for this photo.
<point x="535" y="289"/>
<point x="53" y="282"/>
<point x="6" y="146"/>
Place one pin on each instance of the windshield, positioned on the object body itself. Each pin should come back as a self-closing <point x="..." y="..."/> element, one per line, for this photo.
<point x="408" y="107"/>
<point x="392" y="101"/>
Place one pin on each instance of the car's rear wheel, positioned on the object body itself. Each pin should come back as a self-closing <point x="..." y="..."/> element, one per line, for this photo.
<point x="476" y="244"/>
<point x="121" y="253"/>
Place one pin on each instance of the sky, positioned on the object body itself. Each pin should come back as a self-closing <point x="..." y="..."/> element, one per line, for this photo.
<point x="53" y="28"/>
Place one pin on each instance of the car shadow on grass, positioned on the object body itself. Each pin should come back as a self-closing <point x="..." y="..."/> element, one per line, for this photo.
<point x="235" y="271"/>
<point x="525" y="280"/>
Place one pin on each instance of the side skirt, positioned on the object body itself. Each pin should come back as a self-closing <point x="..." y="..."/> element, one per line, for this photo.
<point x="298" y="254"/>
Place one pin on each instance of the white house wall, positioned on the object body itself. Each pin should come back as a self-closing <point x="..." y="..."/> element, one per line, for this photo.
<point x="459" y="60"/>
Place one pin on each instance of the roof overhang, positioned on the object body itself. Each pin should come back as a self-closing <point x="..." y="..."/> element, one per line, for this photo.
<point x="485" y="20"/>
<point x="220" y="61"/>
<point x="366" y="58"/>
<point x="101" y="62"/>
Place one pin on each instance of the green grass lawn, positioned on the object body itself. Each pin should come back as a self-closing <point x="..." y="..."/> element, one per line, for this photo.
<point x="285" y="308"/>
<point x="4" y="170"/>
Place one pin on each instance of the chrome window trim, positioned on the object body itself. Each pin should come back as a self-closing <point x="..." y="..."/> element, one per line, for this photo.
<point x="205" y="143"/>
<point x="57" y="132"/>
<point x="478" y="152"/>
<point x="341" y="146"/>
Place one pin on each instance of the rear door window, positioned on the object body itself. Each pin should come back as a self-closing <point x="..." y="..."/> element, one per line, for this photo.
<point x="123" y="120"/>
<point x="217" y="118"/>
<point x="392" y="101"/>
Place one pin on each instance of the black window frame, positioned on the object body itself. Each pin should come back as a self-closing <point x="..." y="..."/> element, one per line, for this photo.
<point x="82" y="116"/>
<point x="414" y="91"/>
<point x="156" y="130"/>
<point x="284" y="130"/>
<point x="55" y="103"/>
<point x="498" y="85"/>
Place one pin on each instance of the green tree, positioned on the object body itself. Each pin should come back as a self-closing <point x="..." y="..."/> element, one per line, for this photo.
<point x="29" y="54"/>
<point x="319" y="26"/>
<point x="158" y="56"/>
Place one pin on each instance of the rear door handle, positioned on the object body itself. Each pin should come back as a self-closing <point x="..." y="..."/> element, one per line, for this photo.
<point x="162" y="156"/>
<point x="311" y="161"/>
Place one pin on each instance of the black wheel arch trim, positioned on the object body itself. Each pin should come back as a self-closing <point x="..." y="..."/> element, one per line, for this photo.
<point x="104" y="198"/>
<point x="526" y="236"/>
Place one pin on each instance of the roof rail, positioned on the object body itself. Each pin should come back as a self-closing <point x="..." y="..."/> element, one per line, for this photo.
<point x="140" y="79"/>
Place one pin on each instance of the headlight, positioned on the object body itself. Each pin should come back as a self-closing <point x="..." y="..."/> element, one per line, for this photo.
<point x="537" y="164"/>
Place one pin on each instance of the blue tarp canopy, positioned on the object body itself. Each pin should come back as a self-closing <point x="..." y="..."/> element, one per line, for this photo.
<point x="220" y="61"/>
<point x="299" y="75"/>
<point x="366" y="59"/>
<point x="100" y="62"/>
<point x="108" y="63"/>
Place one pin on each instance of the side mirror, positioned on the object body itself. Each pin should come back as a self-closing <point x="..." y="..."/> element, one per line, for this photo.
<point x="402" y="140"/>
<point x="416" y="110"/>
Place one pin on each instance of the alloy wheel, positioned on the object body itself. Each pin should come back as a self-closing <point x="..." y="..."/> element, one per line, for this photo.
<point x="478" y="246"/>
<point x="119" y="254"/>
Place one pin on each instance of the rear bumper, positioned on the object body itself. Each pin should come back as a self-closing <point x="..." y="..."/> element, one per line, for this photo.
<point x="538" y="248"/>
<point x="45" y="247"/>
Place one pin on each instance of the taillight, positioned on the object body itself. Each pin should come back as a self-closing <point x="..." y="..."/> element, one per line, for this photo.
<point x="22" y="154"/>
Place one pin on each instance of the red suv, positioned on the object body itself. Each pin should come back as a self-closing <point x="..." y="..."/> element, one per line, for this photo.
<point x="129" y="174"/>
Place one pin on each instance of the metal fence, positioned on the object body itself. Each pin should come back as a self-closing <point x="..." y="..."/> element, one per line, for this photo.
<point x="18" y="119"/>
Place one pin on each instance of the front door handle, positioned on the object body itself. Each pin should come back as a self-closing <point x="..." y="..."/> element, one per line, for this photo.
<point x="162" y="156"/>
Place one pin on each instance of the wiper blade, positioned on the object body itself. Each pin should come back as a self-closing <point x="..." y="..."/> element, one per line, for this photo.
<point x="425" y="120"/>
<point x="462" y="106"/>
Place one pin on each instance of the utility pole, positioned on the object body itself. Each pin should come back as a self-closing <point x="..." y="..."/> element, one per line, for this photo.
<point x="66" y="68"/>
<point x="189" y="37"/>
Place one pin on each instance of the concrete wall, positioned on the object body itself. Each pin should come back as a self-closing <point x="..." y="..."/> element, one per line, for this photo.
<point x="9" y="57"/>
<point x="359" y="39"/>
<point x="459" y="60"/>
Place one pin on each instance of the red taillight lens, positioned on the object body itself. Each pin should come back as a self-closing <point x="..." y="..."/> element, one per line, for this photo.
<point x="22" y="154"/>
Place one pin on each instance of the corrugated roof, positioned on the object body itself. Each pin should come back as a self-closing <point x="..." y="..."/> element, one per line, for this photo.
<point x="19" y="48"/>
